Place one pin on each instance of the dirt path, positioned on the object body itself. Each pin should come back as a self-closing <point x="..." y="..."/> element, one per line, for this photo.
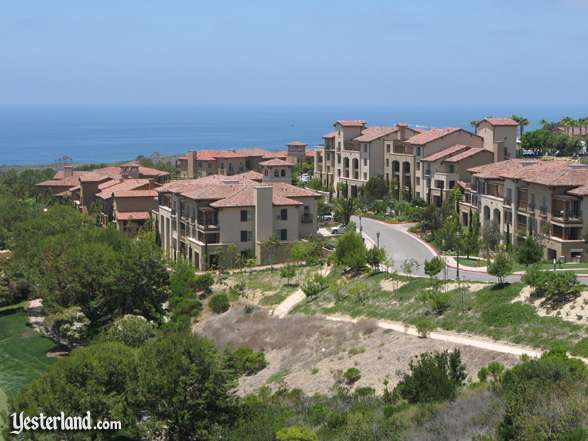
<point x="293" y="299"/>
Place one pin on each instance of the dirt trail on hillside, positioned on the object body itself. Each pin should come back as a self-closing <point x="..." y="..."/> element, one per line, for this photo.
<point x="306" y="352"/>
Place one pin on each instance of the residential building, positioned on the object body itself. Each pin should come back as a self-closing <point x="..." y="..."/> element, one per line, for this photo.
<point x="123" y="194"/>
<point x="296" y="152"/>
<point x="358" y="152"/>
<point x="277" y="170"/>
<point x="201" y="163"/>
<point x="210" y="220"/>
<point x="324" y="160"/>
<point x="500" y="137"/>
<point x="522" y="197"/>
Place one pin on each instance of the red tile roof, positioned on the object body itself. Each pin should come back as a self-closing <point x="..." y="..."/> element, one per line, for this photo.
<point x="246" y="198"/>
<point x="500" y="121"/>
<point x="136" y="194"/>
<point x="351" y="122"/>
<point x="253" y="175"/>
<point x="297" y="143"/>
<point x="471" y="151"/>
<point x="122" y="185"/>
<point x="432" y="135"/>
<point x="276" y="163"/>
<point x="329" y="135"/>
<point x="441" y="154"/>
<point x="372" y="133"/>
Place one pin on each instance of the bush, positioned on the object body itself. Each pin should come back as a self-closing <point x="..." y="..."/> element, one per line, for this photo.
<point x="246" y="361"/>
<point x="219" y="303"/>
<point x="296" y="433"/>
<point x="556" y="286"/>
<point x="529" y="252"/>
<point x="68" y="326"/>
<point x="433" y="377"/>
<point x="131" y="330"/>
<point x="440" y="302"/>
<point x="424" y="327"/>
<point x="501" y="266"/>
<point x="314" y="284"/>
<point x="351" y="376"/>
<point x="203" y="282"/>
<point x="351" y="252"/>
<point x="434" y="266"/>
<point x="375" y="257"/>
<point x="507" y="314"/>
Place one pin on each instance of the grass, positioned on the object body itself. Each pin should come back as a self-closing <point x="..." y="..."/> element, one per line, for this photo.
<point x="488" y="312"/>
<point x="579" y="268"/>
<point x="277" y="377"/>
<point x="23" y="352"/>
<point x="472" y="262"/>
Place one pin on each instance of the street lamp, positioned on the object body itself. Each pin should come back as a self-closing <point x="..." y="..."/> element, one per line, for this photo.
<point x="360" y="226"/>
<point x="378" y="238"/>
<point x="458" y="237"/>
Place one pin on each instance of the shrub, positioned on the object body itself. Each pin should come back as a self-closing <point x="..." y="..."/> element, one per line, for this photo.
<point x="424" y="327"/>
<point x="131" y="330"/>
<point x="287" y="272"/>
<point x="434" y="266"/>
<point x="375" y="257"/>
<point x="433" y="377"/>
<point x="203" y="282"/>
<point x="507" y="314"/>
<point x="351" y="376"/>
<point x="440" y="302"/>
<point x="556" y="286"/>
<point x="69" y="326"/>
<point x="501" y="266"/>
<point x="296" y="433"/>
<point x="529" y="252"/>
<point x="351" y="252"/>
<point x="314" y="284"/>
<point x="245" y="361"/>
<point x="219" y="303"/>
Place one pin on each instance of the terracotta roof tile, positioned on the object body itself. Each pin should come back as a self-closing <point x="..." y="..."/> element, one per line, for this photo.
<point x="471" y="151"/>
<point x="329" y="135"/>
<point x="132" y="215"/>
<point x="276" y="163"/>
<point x="445" y="153"/>
<point x="351" y="122"/>
<point x="431" y="135"/>
<point x="372" y="133"/>
<point x="136" y="194"/>
<point x="500" y="121"/>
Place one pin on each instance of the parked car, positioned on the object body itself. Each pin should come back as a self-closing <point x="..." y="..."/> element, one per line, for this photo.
<point x="339" y="229"/>
<point x="304" y="177"/>
<point x="326" y="217"/>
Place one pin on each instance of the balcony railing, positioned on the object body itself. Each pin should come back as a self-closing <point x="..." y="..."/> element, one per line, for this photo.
<point x="567" y="215"/>
<point x="351" y="146"/>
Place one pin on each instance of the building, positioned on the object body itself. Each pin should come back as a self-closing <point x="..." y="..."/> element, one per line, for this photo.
<point x="500" y="137"/>
<point x="296" y="152"/>
<point x="277" y="170"/>
<point x="416" y="163"/>
<point x="522" y="197"/>
<point x="122" y="194"/>
<point x="211" y="220"/>
<point x="201" y="163"/>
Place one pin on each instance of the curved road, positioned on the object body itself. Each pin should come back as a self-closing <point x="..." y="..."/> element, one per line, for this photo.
<point x="401" y="245"/>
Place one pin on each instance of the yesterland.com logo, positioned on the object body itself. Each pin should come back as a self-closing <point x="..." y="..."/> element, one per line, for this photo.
<point x="62" y="423"/>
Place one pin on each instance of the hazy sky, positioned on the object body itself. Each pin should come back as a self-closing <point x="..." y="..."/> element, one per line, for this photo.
<point x="190" y="52"/>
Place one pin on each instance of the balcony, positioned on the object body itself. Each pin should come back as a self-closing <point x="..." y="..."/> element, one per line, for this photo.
<point x="353" y="146"/>
<point x="566" y="215"/>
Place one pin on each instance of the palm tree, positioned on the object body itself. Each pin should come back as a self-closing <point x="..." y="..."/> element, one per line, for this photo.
<point x="522" y="123"/>
<point x="344" y="207"/>
<point x="475" y="124"/>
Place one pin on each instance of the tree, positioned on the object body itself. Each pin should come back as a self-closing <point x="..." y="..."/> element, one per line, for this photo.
<point x="344" y="208"/>
<point x="182" y="390"/>
<point x="529" y="252"/>
<point x="501" y="266"/>
<point x="271" y="246"/>
<point x="491" y="236"/>
<point x="351" y="252"/>
<point x="219" y="303"/>
<point x="93" y="379"/>
<point x="475" y="123"/>
<point x="433" y="377"/>
<point x="470" y="242"/>
<point x="314" y="285"/>
<point x="409" y="266"/>
<point x="287" y="272"/>
<point x="352" y="376"/>
<point x="434" y="266"/>
<point x="375" y="257"/>
<point x="375" y="188"/>
<point x="556" y="287"/>
<point x="523" y="122"/>
<point x="131" y="330"/>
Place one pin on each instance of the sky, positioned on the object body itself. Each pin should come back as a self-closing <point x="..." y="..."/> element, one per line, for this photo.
<point x="294" y="53"/>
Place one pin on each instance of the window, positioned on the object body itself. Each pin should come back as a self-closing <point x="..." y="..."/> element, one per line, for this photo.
<point x="244" y="216"/>
<point x="265" y="172"/>
<point x="276" y="173"/>
<point x="418" y="165"/>
<point x="339" y="145"/>
<point x="365" y="176"/>
<point x="387" y="162"/>
<point x="284" y="214"/>
<point x="365" y="148"/>
<point x="387" y="148"/>
<point x="222" y="165"/>
<point x="243" y="235"/>
<point x="451" y="168"/>
<point x="283" y="173"/>
<point x="338" y="172"/>
<point x="338" y="159"/>
<point x="418" y="181"/>
<point x="283" y="234"/>
<point x="365" y="162"/>
<point x="418" y="152"/>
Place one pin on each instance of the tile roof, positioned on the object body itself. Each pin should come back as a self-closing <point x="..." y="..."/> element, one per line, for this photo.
<point x="449" y="151"/>
<point x="211" y="155"/>
<point x="372" y="133"/>
<point x="136" y="194"/>
<point x="500" y="121"/>
<point x="122" y="185"/>
<point x="350" y="122"/>
<point x="253" y="175"/>
<point x="276" y="162"/>
<point x="431" y="135"/>
<point x="329" y="135"/>
<point x="229" y="191"/>
<point x="471" y="151"/>
<point x="297" y="143"/>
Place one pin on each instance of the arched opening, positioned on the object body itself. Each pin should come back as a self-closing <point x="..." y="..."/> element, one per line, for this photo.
<point x="283" y="173"/>
<point x="355" y="168"/>
<point x="486" y="213"/>
<point x="496" y="216"/>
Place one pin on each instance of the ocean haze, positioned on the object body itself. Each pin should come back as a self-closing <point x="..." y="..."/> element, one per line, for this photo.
<point x="109" y="134"/>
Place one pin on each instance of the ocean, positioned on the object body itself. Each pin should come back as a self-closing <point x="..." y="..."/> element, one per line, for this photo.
<point x="103" y="134"/>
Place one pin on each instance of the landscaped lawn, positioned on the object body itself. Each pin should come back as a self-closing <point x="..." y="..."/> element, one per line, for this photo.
<point x="472" y="262"/>
<point x="488" y="312"/>
<point x="23" y="352"/>
<point x="580" y="268"/>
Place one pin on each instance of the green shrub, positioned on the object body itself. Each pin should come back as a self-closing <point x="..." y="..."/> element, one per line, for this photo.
<point x="131" y="330"/>
<point x="433" y="377"/>
<point x="581" y="348"/>
<point x="296" y="433"/>
<point x="424" y="327"/>
<point x="555" y="286"/>
<point x="314" y="284"/>
<point x="351" y="376"/>
<point x="246" y="361"/>
<point x="219" y="303"/>
<point x="440" y="302"/>
<point x="203" y="282"/>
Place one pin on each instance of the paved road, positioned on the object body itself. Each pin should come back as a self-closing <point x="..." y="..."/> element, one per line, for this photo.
<point x="401" y="245"/>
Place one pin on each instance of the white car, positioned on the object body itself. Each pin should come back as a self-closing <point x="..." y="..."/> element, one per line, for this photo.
<point x="326" y="218"/>
<point x="305" y="177"/>
<point x="339" y="229"/>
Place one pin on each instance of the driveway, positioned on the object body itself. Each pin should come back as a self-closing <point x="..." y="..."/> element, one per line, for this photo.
<point x="401" y="245"/>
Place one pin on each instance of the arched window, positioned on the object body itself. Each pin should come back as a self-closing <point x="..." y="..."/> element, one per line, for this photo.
<point x="276" y="173"/>
<point x="283" y="173"/>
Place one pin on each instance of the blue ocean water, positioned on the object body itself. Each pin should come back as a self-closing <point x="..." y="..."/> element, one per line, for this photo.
<point x="101" y="134"/>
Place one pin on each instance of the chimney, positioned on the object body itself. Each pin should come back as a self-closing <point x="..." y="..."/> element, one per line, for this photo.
<point x="134" y="171"/>
<point x="67" y="171"/>
<point x="192" y="160"/>
<point x="402" y="131"/>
